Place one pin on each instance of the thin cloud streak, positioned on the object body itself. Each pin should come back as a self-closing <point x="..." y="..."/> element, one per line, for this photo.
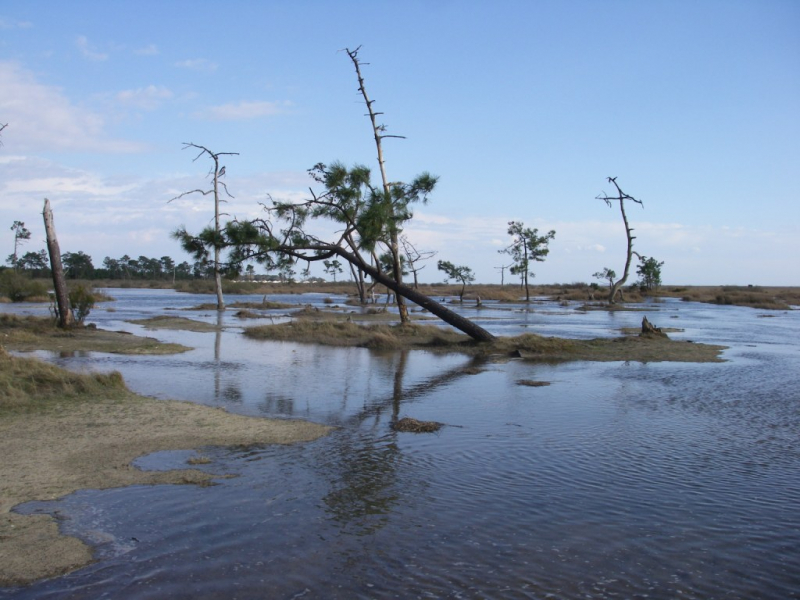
<point x="240" y="111"/>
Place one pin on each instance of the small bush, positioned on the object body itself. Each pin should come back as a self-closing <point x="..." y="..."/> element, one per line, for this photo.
<point x="81" y="302"/>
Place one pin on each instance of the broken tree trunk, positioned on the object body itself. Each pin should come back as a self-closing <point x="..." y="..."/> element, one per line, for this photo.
<point x="59" y="283"/>
<point x="649" y="329"/>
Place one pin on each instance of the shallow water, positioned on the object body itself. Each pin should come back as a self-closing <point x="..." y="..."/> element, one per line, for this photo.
<point x="619" y="480"/>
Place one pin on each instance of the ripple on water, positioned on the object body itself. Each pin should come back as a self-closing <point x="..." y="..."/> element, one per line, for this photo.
<point x="618" y="480"/>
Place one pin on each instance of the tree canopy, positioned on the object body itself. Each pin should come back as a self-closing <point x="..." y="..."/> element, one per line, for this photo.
<point x="527" y="246"/>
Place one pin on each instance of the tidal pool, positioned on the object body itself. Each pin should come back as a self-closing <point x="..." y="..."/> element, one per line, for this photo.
<point x="619" y="480"/>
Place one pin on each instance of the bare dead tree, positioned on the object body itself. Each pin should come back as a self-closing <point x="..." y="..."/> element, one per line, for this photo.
<point x="217" y="173"/>
<point x="414" y="256"/>
<point x="621" y="196"/>
<point x="379" y="132"/>
<point x="65" y="319"/>
<point x="502" y="270"/>
<point x="2" y="127"/>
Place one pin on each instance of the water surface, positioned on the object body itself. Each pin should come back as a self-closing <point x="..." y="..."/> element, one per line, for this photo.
<point x="619" y="480"/>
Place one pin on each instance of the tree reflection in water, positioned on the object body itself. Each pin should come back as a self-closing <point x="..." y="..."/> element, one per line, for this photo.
<point x="231" y="392"/>
<point x="364" y="469"/>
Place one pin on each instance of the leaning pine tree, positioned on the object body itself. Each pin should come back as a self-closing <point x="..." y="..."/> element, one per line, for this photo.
<point x="368" y="220"/>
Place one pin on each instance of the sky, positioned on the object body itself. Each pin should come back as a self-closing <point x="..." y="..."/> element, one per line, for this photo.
<point x="523" y="109"/>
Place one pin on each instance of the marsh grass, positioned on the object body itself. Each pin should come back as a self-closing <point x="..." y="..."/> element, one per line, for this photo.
<point x="171" y="322"/>
<point x="26" y="334"/>
<point x="28" y="384"/>
<point x="263" y="305"/>
<point x="347" y="333"/>
<point x="764" y="298"/>
<point x="528" y="347"/>
<point x="409" y="425"/>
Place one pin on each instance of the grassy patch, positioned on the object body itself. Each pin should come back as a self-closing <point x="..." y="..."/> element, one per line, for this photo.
<point x="528" y="347"/>
<point x="26" y="334"/>
<point x="62" y="431"/>
<point x="263" y="305"/>
<point x="764" y="298"/>
<point x="179" y="323"/>
<point x="31" y="385"/>
<point x="347" y="333"/>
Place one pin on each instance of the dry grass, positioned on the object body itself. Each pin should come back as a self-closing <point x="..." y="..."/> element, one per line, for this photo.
<point x="764" y="298"/>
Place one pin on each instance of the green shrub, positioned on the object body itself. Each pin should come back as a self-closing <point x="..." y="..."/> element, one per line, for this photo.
<point x="81" y="302"/>
<point x="18" y="287"/>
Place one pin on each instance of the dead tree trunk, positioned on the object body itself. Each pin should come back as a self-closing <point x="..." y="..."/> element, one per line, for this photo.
<point x="218" y="173"/>
<point x="621" y="197"/>
<point x="377" y="130"/>
<point x="65" y="319"/>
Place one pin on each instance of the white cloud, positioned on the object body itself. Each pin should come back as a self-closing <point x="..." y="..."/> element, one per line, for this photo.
<point x="40" y="117"/>
<point x="197" y="64"/>
<point x="14" y="24"/>
<point x="149" y="50"/>
<point x="147" y="98"/>
<point x="242" y="111"/>
<point x="88" y="50"/>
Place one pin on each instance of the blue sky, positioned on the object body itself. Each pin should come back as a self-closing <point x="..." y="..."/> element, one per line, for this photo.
<point x="523" y="109"/>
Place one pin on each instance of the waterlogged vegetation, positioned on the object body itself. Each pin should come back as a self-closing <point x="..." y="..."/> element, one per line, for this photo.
<point x="173" y="322"/>
<point x="343" y="332"/>
<point x="26" y="334"/>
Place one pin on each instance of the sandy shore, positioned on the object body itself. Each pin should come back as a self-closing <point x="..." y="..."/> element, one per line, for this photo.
<point x="91" y="445"/>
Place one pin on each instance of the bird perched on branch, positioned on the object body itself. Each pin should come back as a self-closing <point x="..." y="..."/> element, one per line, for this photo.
<point x="221" y="172"/>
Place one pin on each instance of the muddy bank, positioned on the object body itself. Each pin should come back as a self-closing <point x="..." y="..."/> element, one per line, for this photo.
<point x="61" y="432"/>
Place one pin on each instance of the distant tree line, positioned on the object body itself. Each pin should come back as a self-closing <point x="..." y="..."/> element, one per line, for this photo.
<point x="79" y="265"/>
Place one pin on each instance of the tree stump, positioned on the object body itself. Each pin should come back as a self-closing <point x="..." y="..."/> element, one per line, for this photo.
<point x="649" y="329"/>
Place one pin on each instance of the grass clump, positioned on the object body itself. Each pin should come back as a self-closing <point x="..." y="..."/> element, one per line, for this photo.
<point x="347" y="333"/>
<point x="527" y="347"/>
<point x="410" y="425"/>
<point x="26" y="334"/>
<point x="28" y="384"/>
<point x="753" y="296"/>
<point x="170" y="322"/>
